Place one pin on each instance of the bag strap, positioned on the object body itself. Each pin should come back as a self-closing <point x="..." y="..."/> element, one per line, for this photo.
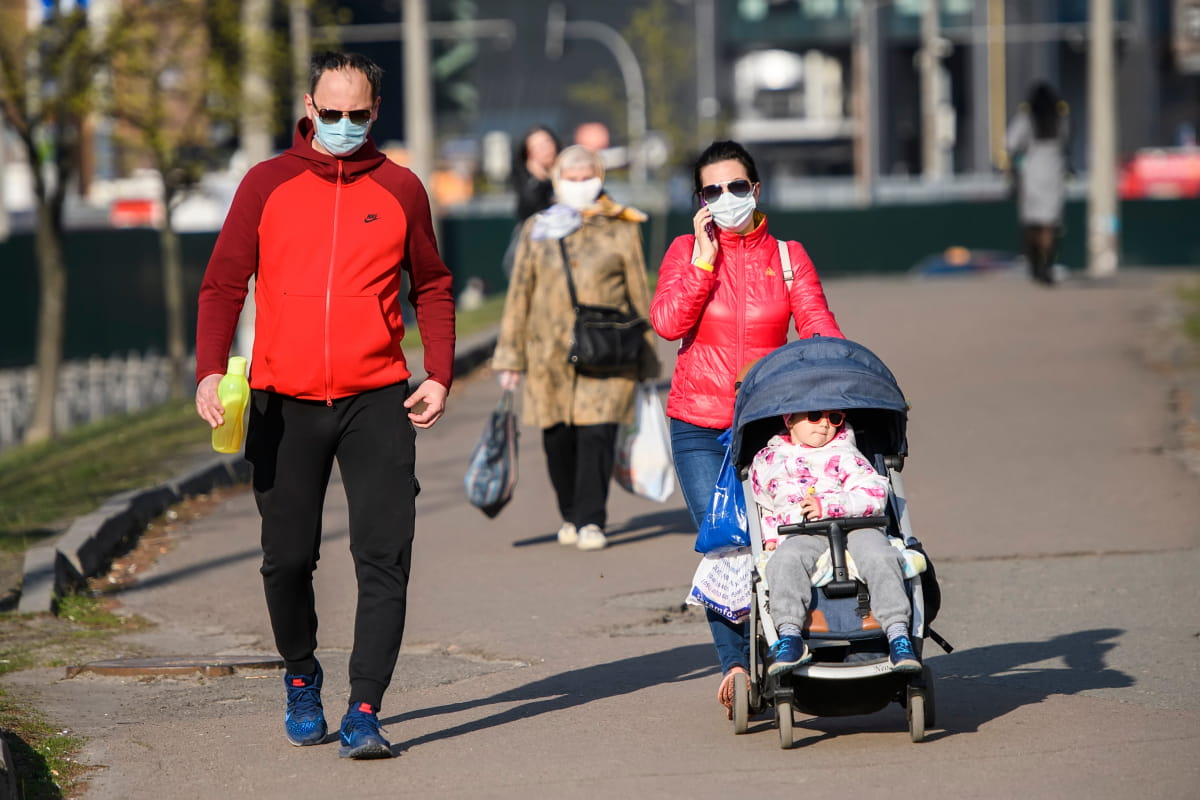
<point x="562" y="243"/>
<point x="785" y="260"/>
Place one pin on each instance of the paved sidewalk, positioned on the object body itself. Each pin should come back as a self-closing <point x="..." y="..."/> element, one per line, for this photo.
<point x="1044" y="478"/>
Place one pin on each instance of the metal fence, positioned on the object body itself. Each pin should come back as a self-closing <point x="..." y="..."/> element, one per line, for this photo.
<point x="87" y="391"/>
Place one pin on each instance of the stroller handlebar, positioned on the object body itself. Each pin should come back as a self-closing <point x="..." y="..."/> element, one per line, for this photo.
<point x="825" y="526"/>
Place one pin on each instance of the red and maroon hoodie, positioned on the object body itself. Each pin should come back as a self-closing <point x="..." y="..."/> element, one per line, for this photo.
<point x="326" y="239"/>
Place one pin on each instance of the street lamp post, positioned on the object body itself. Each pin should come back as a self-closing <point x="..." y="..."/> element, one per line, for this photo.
<point x="557" y="28"/>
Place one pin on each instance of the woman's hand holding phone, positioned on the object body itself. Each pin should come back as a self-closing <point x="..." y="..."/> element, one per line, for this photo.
<point x="706" y="235"/>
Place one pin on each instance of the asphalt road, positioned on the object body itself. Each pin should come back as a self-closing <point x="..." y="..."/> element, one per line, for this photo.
<point x="1043" y="480"/>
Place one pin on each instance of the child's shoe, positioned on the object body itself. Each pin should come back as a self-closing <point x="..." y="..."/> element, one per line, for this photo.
<point x="360" y="734"/>
<point x="788" y="653"/>
<point x="902" y="655"/>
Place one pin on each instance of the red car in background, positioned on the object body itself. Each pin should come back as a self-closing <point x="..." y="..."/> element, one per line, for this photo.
<point x="1161" y="173"/>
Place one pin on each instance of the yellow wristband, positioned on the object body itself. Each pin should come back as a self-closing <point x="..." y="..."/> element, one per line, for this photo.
<point x="702" y="264"/>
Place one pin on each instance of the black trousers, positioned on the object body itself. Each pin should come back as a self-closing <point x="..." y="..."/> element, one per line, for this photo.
<point x="580" y="460"/>
<point x="291" y="445"/>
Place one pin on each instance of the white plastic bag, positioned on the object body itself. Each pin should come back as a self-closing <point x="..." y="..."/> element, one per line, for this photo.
<point x="643" y="461"/>
<point x="722" y="582"/>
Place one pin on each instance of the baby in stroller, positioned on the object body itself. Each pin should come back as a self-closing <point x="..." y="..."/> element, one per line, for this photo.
<point x="812" y="472"/>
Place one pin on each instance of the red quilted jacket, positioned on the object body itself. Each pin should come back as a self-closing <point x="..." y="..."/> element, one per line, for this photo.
<point x="328" y="240"/>
<point x="731" y="316"/>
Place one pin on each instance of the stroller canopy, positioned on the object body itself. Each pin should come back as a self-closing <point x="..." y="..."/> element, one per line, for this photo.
<point x="819" y="374"/>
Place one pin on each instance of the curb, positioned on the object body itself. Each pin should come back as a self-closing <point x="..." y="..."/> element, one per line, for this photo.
<point x="51" y="571"/>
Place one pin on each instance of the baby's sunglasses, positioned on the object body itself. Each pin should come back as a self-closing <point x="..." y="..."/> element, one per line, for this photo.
<point x="331" y="116"/>
<point x="738" y="188"/>
<point x="836" y="418"/>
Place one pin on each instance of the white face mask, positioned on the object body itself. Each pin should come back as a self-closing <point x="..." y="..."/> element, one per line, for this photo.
<point x="731" y="212"/>
<point x="577" y="194"/>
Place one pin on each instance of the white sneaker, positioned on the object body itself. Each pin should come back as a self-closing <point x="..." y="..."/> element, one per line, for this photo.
<point x="592" y="538"/>
<point x="567" y="535"/>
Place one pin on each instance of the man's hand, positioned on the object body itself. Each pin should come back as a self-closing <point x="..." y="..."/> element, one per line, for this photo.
<point x="429" y="402"/>
<point x="208" y="405"/>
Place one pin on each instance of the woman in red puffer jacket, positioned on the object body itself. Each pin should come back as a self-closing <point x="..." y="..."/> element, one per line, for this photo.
<point x="723" y="292"/>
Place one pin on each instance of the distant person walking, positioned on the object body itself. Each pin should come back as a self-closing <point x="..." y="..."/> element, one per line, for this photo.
<point x="1037" y="140"/>
<point x="328" y="229"/>
<point x="531" y="181"/>
<point x="599" y="241"/>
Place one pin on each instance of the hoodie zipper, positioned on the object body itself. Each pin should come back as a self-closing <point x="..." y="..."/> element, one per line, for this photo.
<point x="337" y="199"/>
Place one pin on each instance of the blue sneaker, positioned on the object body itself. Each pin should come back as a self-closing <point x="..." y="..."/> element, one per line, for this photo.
<point x="360" y="734"/>
<point x="788" y="653"/>
<point x="902" y="655"/>
<point x="305" y="719"/>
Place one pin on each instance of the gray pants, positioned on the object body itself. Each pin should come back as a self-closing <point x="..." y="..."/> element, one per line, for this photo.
<point x="878" y="563"/>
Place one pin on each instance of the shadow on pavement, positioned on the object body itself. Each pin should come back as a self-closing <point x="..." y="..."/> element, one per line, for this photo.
<point x="976" y="686"/>
<point x="569" y="689"/>
<point x="644" y="526"/>
<point x="964" y="706"/>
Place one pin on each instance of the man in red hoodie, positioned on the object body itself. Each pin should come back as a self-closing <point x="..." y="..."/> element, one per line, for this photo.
<point x="327" y="229"/>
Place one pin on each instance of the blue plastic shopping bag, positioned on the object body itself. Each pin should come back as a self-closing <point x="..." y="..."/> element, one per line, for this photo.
<point x="725" y="523"/>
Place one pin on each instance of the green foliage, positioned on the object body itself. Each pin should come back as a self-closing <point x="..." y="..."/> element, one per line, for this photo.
<point x="662" y="41"/>
<point x="172" y="83"/>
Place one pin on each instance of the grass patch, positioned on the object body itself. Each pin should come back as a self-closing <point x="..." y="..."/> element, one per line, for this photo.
<point x="1190" y="295"/>
<point x="44" y="756"/>
<point x="44" y="485"/>
<point x="466" y="323"/>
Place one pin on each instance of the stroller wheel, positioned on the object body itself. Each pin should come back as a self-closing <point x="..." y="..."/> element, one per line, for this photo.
<point x="783" y="718"/>
<point x="741" y="702"/>
<point x="916" y="713"/>
<point x="930" y="715"/>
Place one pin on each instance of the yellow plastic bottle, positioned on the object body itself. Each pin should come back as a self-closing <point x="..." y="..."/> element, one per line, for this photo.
<point x="234" y="393"/>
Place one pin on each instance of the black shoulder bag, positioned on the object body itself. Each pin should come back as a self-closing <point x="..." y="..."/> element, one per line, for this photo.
<point x="605" y="341"/>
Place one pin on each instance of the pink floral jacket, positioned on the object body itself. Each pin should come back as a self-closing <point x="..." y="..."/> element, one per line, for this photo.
<point x="843" y="481"/>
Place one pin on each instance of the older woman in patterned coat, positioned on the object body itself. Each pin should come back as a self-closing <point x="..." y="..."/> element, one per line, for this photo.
<point x="578" y="414"/>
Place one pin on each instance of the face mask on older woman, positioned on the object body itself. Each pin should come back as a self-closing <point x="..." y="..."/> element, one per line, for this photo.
<point x="577" y="194"/>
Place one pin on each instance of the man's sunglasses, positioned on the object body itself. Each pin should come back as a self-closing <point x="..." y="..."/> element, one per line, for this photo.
<point x="331" y="116"/>
<point x="836" y="418"/>
<point x="738" y="188"/>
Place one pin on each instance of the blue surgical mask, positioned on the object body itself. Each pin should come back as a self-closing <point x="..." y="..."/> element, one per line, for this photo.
<point x="731" y="212"/>
<point x="342" y="137"/>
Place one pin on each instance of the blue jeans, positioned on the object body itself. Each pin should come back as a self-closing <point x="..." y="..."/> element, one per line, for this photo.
<point x="698" y="456"/>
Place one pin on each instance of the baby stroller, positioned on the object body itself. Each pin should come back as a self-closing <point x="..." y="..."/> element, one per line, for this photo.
<point x="850" y="672"/>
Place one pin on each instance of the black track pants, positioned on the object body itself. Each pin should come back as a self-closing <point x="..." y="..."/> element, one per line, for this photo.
<point x="291" y="445"/>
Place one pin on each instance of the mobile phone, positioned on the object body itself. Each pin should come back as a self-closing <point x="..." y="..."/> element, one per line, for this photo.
<point x="708" y="226"/>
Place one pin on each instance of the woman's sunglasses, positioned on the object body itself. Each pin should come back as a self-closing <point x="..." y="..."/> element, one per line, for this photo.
<point x="331" y="116"/>
<point x="738" y="188"/>
<point x="836" y="418"/>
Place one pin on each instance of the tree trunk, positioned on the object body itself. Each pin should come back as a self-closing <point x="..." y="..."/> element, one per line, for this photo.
<point x="52" y="306"/>
<point x="172" y="267"/>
